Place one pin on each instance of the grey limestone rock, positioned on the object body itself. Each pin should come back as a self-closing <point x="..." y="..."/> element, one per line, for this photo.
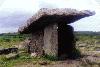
<point x="46" y="16"/>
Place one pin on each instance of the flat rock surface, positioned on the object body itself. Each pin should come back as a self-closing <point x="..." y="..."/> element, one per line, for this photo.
<point x="11" y="55"/>
<point x="46" y="16"/>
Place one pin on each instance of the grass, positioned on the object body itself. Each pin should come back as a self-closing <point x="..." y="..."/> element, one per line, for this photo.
<point x="7" y="41"/>
<point x="78" y="54"/>
<point x="23" y="57"/>
<point x="51" y="58"/>
<point x="92" y="63"/>
<point x="13" y="37"/>
<point x="89" y="39"/>
<point x="9" y="44"/>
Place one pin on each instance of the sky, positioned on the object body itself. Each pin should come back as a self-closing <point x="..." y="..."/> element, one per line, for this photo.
<point x="15" y="13"/>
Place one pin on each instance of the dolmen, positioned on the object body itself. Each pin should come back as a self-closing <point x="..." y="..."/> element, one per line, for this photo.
<point x="51" y="33"/>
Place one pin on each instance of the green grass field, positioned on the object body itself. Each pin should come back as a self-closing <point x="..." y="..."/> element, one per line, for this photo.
<point x="22" y="58"/>
<point x="13" y="37"/>
<point x="89" y="38"/>
<point x="9" y="39"/>
<point x="6" y="41"/>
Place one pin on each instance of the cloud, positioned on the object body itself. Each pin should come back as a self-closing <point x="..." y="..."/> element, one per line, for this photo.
<point x="15" y="13"/>
<point x="10" y="7"/>
<point x="10" y="29"/>
<point x="13" y="22"/>
<point x="89" y="23"/>
<point x="45" y="4"/>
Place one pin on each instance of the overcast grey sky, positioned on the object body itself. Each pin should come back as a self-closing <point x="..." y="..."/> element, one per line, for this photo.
<point x="15" y="13"/>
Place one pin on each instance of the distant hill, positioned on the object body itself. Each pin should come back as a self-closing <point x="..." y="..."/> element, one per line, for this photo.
<point x="84" y="31"/>
<point x="14" y="33"/>
<point x="80" y="32"/>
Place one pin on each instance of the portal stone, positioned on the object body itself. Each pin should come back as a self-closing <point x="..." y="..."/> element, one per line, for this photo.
<point x="51" y="39"/>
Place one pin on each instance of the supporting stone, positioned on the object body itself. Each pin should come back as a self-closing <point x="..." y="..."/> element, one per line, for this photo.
<point x="51" y="39"/>
<point x="36" y="44"/>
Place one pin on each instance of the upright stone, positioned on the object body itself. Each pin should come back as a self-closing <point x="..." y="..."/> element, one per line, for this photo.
<point x="51" y="39"/>
<point x="36" y="44"/>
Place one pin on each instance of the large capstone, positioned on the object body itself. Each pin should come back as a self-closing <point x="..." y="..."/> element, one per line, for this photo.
<point x="47" y="16"/>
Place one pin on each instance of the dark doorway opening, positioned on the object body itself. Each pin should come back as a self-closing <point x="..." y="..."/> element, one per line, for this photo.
<point x="65" y="39"/>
